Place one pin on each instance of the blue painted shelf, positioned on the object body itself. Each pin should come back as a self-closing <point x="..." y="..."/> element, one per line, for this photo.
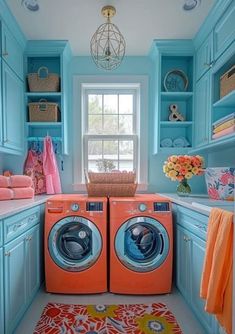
<point x="227" y="101"/>
<point x="45" y="94"/>
<point x="176" y="96"/>
<point x="39" y="124"/>
<point x="175" y="124"/>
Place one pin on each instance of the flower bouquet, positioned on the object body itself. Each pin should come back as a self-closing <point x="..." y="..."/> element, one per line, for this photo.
<point x="182" y="168"/>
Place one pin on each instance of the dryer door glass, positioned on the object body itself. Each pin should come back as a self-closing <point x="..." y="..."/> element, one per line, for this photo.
<point x="142" y="244"/>
<point x="74" y="243"/>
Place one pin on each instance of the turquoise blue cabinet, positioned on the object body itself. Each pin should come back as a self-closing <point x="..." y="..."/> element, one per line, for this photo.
<point x="1" y="292"/>
<point x="15" y="274"/>
<point x="204" y="57"/>
<point x="224" y="32"/>
<point x="22" y="263"/>
<point x="191" y="230"/>
<point x="55" y="56"/>
<point x="12" y="52"/>
<point x="12" y="104"/>
<point x="202" y="110"/>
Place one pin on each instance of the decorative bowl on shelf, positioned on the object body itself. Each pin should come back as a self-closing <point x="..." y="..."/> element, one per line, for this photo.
<point x="175" y="81"/>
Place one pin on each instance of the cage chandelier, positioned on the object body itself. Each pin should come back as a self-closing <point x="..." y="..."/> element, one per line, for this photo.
<point x="107" y="44"/>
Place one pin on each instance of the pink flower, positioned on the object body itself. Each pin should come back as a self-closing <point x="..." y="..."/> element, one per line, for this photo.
<point x="213" y="193"/>
<point x="226" y="179"/>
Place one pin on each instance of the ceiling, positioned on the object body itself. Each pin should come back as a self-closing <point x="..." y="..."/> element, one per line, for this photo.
<point x="140" y="21"/>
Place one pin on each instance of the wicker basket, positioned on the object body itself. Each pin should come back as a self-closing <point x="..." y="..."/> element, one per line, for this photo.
<point x="227" y="82"/>
<point x="43" y="111"/>
<point x="49" y="83"/>
<point x="117" y="190"/>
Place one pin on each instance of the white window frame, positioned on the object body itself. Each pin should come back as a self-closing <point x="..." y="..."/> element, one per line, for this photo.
<point x="83" y="84"/>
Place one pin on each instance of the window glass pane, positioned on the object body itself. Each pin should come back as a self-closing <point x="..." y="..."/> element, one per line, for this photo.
<point x="126" y="124"/>
<point x="92" y="166"/>
<point x="110" y="104"/>
<point x="94" y="104"/>
<point x="110" y="124"/>
<point x="125" y="104"/>
<point x="126" y="150"/>
<point x="106" y="165"/>
<point x="126" y="165"/>
<point x="110" y="148"/>
<point x="94" y="149"/>
<point x="95" y="124"/>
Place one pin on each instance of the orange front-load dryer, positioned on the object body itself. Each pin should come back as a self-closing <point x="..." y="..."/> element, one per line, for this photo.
<point x="75" y="244"/>
<point x="141" y="245"/>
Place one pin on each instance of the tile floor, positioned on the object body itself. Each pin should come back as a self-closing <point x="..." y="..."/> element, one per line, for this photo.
<point x="174" y="302"/>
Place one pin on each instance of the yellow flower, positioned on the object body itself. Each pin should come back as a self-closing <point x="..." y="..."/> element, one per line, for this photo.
<point x="150" y="324"/>
<point x="188" y="175"/>
<point x="102" y="311"/>
<point x="170" y="165"/>
<point x="177" y="167"/>
<point x="165" y="169"/>
<point x="195" y="170"/>
<point x="172" y="174"/>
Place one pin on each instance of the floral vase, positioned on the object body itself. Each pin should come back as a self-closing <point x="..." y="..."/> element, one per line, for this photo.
<point x="183" y="188"/>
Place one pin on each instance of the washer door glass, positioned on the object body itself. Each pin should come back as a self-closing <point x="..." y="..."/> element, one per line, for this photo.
<point x="74" y="243"/>
<point x="142" y="244"/>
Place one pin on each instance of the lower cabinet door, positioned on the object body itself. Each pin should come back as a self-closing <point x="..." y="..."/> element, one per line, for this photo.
<point x="198" y="254"/>
<point x="15" y="274"/>
<point x="1" y="293"/>
<point x="183" y="263"/>
<point x="33" y="261"/>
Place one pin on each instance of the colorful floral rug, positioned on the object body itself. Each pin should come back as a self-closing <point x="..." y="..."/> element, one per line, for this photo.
<point x="107" y="319"/>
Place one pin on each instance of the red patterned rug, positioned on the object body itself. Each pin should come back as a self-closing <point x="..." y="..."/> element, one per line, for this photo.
<point x="107" y="319"/>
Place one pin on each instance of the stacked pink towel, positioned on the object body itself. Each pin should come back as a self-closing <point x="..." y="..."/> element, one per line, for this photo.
<point x="15" y="187"/>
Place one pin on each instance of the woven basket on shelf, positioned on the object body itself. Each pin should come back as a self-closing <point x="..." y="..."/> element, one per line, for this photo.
<point x="113" y="177"/>
<point x="43" y="111"/>
<point x="49" y="83"/>
<point x="227" y="82"/>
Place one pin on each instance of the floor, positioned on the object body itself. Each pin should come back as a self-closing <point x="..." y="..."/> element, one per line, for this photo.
<point x="174" y="302"/>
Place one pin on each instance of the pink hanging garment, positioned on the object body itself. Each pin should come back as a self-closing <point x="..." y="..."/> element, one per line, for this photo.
<point x="50" y="168"/>
<point x="33" y="168"/>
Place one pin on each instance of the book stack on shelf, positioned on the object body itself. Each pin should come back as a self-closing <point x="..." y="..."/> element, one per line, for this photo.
<point x="224" y="126"/>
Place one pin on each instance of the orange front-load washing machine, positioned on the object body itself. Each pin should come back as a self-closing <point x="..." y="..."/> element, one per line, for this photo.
<point x="75" y="244"/>
<point x="141" y="245"/>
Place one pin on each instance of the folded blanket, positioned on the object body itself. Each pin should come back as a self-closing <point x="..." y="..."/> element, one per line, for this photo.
<point x="6" y="194"/>
<point x="224" y="125"/>
<point x="224" y="119"/>
<point x="23" y="192"/>
<point x="224" y="132"/>
<point x="15" y="181"/>
<point x="180" y="142"/>
<point x="16" y="193"/>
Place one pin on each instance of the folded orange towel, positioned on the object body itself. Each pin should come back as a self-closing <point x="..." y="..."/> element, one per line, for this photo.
<point x="15" y="181"/>
<point x="6" y="194"/>
<point x="4" y="181"/>
<point x="23" y="193"/>
<point x="20" y="181"/>
<point x="216" y="282"/>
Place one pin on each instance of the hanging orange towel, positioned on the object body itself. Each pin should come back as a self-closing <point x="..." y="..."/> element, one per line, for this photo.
<point x="216" y="282"/>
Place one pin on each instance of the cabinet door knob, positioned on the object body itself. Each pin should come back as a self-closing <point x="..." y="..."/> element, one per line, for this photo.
<point x="209" y="65"/>
<point x="5" y="54"/>
<point x="7" y="253"/>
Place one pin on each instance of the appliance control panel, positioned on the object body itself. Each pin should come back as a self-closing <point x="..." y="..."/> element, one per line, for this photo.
<point x="142" y="207"/>
<point x="94" y="206"/>
<point x="161" y="206"/>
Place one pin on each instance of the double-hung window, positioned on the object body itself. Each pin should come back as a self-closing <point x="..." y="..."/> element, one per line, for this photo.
<point x="110" y="135"/>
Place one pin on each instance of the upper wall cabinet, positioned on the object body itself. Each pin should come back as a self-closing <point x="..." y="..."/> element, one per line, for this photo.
<point x="174" y="95"/>
<point x="224" y="32"/>
<point x="204" y="57"/>
<point x="12" y="52"/>
<point x="46" y="110"/>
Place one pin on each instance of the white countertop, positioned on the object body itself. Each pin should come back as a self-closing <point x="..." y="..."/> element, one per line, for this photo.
<point x="12" y="207"/>
<point x="200" y="203"/>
